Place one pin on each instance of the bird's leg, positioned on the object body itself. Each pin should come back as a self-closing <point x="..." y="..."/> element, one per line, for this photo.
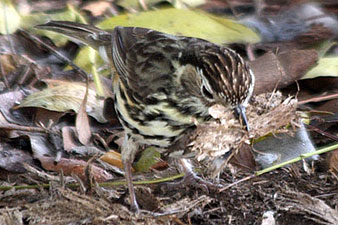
<point x="128" y="151"/>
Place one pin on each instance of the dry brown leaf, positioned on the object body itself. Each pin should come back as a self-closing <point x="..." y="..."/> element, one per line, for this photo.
<point x="277" y="71"/>
<point x="73" y="166"/>
<point x="7" y="63"/>
<point x="12" y="159"/>
<point x="113" y="158"/>
<point x="82" y="122"/>
<point x="46" y="117"/>
<point x="69" y="141"/>
<point x="62" y="96"/>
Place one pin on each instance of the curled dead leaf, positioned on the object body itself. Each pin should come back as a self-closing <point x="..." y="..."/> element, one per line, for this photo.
<point x="113" y="158"/>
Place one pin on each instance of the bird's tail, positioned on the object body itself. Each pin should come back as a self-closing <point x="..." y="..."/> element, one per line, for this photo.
<point x="87" y="34"/>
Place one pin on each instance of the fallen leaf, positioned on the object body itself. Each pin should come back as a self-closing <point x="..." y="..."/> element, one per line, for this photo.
<point x="68" y="137"/>
<point x="326" y="67"/>
<point x="62" y="96"/>
<point x="82" y="122"/>
<point x="149" y="157"/>
<point x="113" y="158"/>
<point x="9" y="19"/>
<point x="277" y="71"/>
<point x="188" y="23"/>
<point x="12" y="159"/>
<point x="74" y="166"/>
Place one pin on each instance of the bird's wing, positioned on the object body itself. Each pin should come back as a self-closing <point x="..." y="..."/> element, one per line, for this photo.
<point x="144" y="58"/>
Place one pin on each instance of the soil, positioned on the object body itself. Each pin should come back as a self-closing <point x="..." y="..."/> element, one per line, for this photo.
<point x="291" y="195"/>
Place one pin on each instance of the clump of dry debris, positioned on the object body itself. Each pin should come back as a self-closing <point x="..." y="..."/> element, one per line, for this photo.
<point x="268" y="113"/>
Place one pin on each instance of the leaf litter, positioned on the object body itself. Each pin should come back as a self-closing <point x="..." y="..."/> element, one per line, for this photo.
<point x="294" y="195"/>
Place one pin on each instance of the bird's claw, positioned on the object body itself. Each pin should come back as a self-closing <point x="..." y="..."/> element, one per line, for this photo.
<point x="191" y="179"/>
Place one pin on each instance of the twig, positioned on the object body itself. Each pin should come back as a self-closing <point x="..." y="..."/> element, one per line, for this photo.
<point x="321" y="132"/>
<point x="319" y="99"/>
<point x="103" y="184"/>
<point x="23" y="128"/>
<point x="237" y="182"/>
<point x="43" y="175"/>
<point x="57" y="54"/>
<point x="166" y="179"/>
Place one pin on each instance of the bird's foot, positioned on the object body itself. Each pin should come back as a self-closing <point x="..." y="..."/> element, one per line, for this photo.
<point x="192" y="180"/>
<point x="134" y="207"/>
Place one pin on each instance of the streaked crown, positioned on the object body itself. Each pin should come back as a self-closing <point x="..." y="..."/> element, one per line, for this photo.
<point x="226" y="78"/>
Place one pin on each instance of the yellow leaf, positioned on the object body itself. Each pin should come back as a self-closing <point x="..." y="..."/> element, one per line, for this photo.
<point x="9" y="17"/>
<point x="113" y="158"/>
<point x="149" y="157"/>
<point x="188" y="23"/>
<point x="31" y="20"/>
<point x="62" y="96"/>
<point x="326" y="67"/>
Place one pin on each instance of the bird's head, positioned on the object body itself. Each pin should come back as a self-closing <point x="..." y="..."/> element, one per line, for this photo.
<point x="226" y="79"/>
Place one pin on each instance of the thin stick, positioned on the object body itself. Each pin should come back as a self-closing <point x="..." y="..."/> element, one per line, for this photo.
<point x="57" y="54"/>
<point x="319" y="99"/>
<point x="103" y="184"/>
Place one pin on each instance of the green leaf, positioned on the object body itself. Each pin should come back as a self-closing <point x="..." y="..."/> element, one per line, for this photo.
<point x="70" y="14"/>
<point x="136" y="4"/>
<point x="149" y="157"/>
<point x="63" y="96"/>
<point x="188" y="23"/>
<point x="326" y="67"/>
<point x="89" y="60"/>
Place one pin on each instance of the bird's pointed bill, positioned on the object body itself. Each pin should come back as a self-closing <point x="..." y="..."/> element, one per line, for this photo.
<point x="241" y="114"/>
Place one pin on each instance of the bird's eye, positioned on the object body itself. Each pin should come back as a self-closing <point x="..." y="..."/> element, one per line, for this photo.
<point x="206" y="93"/>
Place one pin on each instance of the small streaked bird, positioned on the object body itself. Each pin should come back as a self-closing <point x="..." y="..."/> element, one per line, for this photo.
<point x="164" y="83"/>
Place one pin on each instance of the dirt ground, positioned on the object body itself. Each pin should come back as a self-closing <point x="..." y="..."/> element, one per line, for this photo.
<point x="291" y="195"/>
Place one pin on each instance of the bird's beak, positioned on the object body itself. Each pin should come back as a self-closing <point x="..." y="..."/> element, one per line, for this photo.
<point x="240" y="114"/>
